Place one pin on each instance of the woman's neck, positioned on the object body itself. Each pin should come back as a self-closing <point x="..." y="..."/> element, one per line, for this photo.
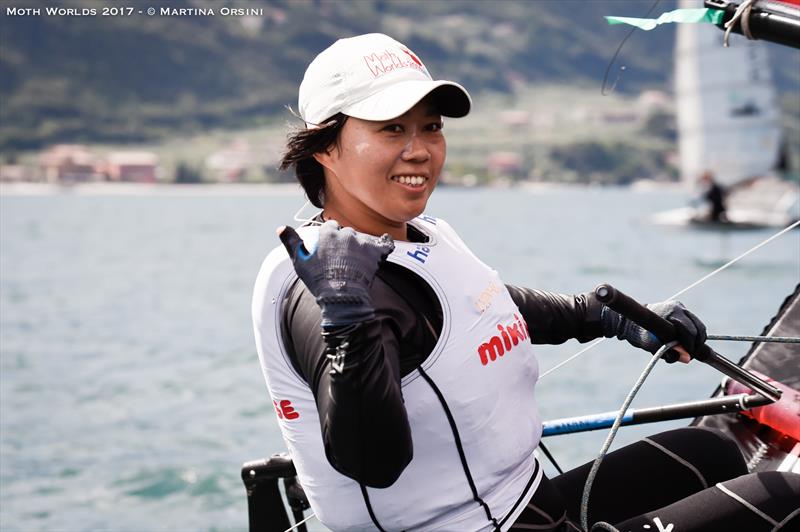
<point x="376" y="226"/>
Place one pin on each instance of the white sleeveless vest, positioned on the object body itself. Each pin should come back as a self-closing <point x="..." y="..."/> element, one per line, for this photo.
<point x="482" y="371"/>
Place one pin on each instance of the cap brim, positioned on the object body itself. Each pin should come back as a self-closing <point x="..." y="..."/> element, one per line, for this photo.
<point x="450" y="98"/>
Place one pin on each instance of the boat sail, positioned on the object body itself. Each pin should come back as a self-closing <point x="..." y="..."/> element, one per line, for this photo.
<point x="727" y="108"/>
<point x="728" y="121"/>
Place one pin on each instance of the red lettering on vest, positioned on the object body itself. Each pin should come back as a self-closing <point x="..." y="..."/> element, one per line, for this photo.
<point x="516" y="332"/>
<point x="498" y="345"/>
<point x="491" y="350"/>
<point x="285" y="410"/>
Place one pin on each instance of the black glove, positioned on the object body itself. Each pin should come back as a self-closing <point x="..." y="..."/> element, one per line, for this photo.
<point x="690" y="331"/>
<point x="339" y="271"/>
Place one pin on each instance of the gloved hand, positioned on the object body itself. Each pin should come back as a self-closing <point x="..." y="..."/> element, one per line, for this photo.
<point x="339" y="271"/>
<point x="690" y="331"/>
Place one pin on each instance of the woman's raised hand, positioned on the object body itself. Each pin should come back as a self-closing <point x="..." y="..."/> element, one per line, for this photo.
<point x="339" y="270"/>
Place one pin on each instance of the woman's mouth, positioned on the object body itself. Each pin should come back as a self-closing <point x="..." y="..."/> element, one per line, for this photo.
<point x="413" y="181"/>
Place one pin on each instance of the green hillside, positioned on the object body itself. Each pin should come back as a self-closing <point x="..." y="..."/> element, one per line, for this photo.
<point x="142" y="78"/>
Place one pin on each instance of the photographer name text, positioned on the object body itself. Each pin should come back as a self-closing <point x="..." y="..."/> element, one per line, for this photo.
<point x="117" y="11"/>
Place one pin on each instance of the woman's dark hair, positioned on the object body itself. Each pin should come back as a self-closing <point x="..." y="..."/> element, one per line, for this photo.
<point x="300" y="149"/>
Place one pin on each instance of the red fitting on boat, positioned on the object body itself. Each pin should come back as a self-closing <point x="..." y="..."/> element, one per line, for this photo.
<point x="783" y="416"/>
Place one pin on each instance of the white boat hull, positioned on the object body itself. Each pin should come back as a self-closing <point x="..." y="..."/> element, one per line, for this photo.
<point x="737" y="218"/>
<point x="766" y="202"/>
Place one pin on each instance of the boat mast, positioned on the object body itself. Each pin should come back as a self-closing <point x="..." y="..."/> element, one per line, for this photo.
<point x="727" y="110"/>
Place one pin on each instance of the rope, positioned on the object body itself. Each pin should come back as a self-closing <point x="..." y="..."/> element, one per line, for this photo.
<point x="737" y="259"/>
<point x="772" y="339"/>
<point x="742" y="12"/>
<point x="616" y="53"/>
<point x="299" y="523"/>
<point x="604" y="526"/>
<point x="699" y="281"/>
<point x="576" y="355"/>
<point x="587" y="488"/>
<point x="550" y="457"/>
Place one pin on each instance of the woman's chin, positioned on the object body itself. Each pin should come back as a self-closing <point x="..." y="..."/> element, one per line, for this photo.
<point x="410" y="214"/>
<point x="404" y="212"/>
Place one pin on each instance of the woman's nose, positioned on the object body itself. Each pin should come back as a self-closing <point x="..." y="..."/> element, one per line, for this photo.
<point x="416" y="150"/>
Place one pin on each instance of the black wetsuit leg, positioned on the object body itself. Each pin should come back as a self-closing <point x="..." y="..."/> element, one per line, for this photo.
<point x="652" y="473"/>
<point x="692" y="478"/>
<point x="753" y="503"/>
<point x="545" y="511"/>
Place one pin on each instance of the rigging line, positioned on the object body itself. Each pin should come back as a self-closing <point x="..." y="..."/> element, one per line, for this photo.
<point x="773" y="339"/>
<point x="704" y="278"/>
<point x="737" y="259"/>
<point x="616" y="53"/>
<point x="298" y="524"/>
<point x="550" y="457"/>
<point x="742" y="12"/>
<point x="570" y="359"/>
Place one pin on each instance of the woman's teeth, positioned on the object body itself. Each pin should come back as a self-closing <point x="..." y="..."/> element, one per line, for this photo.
<point x="411" y="180"/>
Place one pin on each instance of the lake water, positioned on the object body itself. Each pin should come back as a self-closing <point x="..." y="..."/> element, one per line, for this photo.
<point x="130" y="390"/>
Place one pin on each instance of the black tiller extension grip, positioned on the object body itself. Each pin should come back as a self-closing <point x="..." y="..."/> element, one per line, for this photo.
<point x="665" y="331"/>
<point x="632" y="309"/>
<point x="642" y="316"/>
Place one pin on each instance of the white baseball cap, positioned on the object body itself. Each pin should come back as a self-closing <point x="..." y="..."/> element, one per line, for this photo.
<point x="373" y="77"/>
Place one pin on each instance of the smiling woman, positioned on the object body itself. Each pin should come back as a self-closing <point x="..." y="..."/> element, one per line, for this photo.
<point x="374" y="148"/>
<point x="401" y="367"/>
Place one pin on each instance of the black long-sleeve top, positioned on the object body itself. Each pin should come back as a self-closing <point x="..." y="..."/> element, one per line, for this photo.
<point x="364" y="425"/>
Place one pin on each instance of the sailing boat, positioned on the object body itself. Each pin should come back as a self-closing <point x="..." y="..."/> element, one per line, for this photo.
<point x="729" y="124"/>
<point x="766" y="444"/>
<point x="764" y="435"/>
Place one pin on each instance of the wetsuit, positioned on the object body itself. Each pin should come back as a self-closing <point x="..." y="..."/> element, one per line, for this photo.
<point x="715" y="196"/>
<point x="375" y="448"/>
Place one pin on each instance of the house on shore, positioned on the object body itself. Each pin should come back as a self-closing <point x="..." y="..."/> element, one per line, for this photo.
<point x="131" y="166"/>
<point x="68" y="163"/>
<point x="75" y="163"/>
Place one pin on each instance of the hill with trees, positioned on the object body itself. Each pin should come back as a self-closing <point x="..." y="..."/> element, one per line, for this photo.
<point x="136" y="78"/>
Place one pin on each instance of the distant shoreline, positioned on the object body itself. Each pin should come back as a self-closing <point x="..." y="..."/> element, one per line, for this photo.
<point x="150" y="189"/>
<point x="265" y="189"/>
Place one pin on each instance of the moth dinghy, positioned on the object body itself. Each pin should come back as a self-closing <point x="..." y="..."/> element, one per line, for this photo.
<point x="758" y="406"/>
<point x="728" y="116"/>
<point x="768" y="443"/>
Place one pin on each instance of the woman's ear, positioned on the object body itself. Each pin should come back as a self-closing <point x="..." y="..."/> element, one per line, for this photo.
<point x="325" y="158"/>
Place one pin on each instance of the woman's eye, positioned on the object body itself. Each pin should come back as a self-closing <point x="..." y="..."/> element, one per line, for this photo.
<point x="435" y="126"/>
<point x="394" y="128"/>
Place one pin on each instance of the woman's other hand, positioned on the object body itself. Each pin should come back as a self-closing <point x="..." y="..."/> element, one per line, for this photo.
<point x="690" y="331"/>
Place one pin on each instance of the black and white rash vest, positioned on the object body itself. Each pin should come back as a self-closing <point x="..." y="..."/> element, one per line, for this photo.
<point x="471" y="407"/>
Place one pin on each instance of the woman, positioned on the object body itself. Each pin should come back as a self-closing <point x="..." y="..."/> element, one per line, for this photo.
<point x="400" y="366"/>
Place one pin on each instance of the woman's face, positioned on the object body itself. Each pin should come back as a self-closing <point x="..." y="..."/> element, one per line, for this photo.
<point x="381" y="174"/>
